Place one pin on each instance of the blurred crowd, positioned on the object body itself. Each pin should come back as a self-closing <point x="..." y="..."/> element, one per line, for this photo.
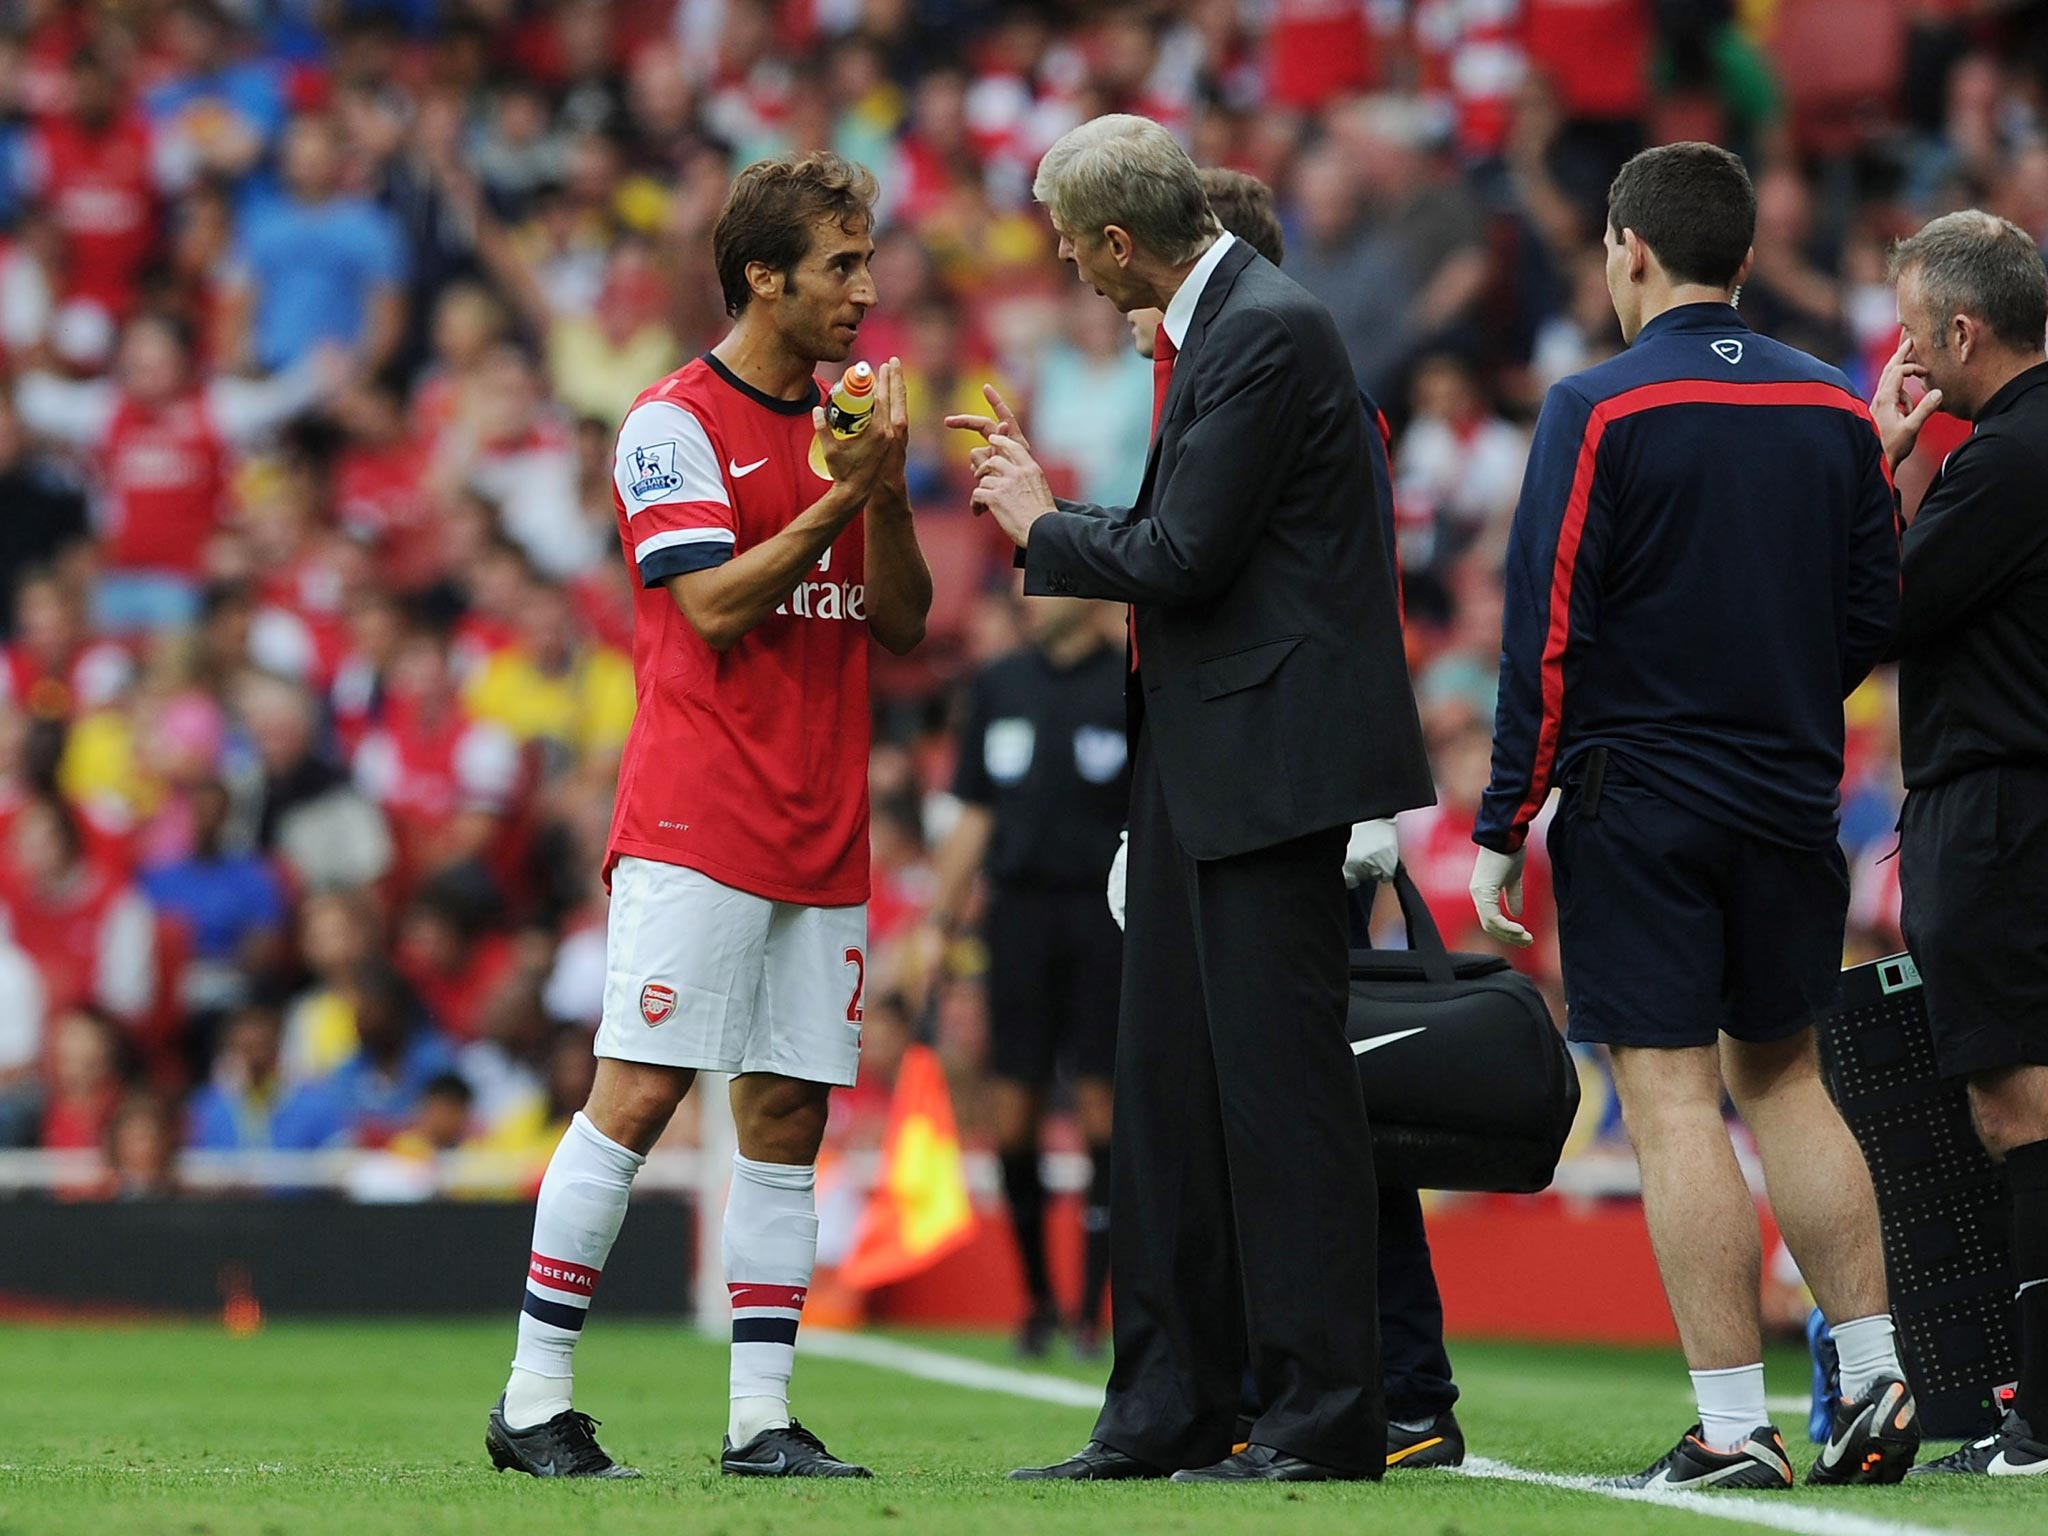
<point x="317" y="318"/>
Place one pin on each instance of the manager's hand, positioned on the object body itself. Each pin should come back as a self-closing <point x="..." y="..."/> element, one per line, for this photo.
<point x="1495" y="875"/>
<point x="1373" y="853"/>
<point x="1898" y="419"/>
<point x="1117" y="867"/>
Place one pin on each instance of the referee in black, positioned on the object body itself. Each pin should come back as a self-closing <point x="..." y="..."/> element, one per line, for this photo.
<point x="1973" y="729"/>
<point x="1044" y="781"/>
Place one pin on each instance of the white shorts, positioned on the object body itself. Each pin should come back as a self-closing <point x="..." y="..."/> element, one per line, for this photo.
<point x="700" y="975"/>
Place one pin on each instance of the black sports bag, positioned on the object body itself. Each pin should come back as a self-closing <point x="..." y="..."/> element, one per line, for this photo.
<point x="1468" y="1084"/>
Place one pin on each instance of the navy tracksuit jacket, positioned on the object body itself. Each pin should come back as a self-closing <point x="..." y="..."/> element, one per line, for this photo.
<point x="1704" y="564"/>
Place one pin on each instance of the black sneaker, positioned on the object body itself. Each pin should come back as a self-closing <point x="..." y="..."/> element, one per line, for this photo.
<point x="565" y="1446"/>
<point x="1431" y="1442"/>
<point x="1873" y="1440"/>
<point x="1759" y="1462"/>
<point x="2012" y="1450"/>
<point x="791" y="1451"/>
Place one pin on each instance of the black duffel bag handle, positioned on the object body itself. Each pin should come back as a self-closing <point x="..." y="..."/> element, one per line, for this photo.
<point x="1426" y="950"/>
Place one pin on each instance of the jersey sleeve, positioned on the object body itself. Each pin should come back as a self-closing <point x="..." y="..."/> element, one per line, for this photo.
<point x="1547" y="552"/>
<point x="679" y="517"/>
<point x="971" y="782"/>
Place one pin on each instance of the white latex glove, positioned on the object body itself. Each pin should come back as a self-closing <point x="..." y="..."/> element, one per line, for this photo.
<point x="1373" y="853"/>
<point x="1117" y="866"/>
<point x="1495" y="875"/>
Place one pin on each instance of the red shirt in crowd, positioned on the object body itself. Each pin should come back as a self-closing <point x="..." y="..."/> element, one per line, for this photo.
<point x="97" y="186"/>
<point x="167" y="475"/>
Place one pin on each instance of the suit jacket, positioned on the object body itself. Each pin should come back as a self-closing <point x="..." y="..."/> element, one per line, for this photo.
<point x="1271" y="666"/>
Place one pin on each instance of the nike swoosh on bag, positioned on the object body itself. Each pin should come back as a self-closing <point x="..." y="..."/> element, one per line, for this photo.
<point x="1360" y="1047"/>
<point x="740" y="471"/>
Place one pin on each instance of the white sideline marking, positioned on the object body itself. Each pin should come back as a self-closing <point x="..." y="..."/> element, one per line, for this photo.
<point x="1745" y="1509"/>
<point x="953" y="1370"/>
<point x="959" y="1371"/>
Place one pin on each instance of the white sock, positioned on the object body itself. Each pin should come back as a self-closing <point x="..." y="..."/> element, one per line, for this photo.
<point x="770" y="1243"/>
<point x="1869" y="1350"/>
<point x="1731" y="1404"/>
<point x="582" y="1201"/>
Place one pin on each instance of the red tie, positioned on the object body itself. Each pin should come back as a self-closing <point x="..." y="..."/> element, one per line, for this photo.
<point x="1163" y="353"/>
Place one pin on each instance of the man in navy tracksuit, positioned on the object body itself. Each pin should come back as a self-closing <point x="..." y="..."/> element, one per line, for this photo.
<point x="1704" y="563"/>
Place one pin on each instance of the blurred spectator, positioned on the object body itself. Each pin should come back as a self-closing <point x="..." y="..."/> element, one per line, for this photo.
<point x="212" y="114"/>
<point x="91" y="167"/>
<point x="456" y="966"/>
<point x="21" y="1048"/>
<point x="442" y="1122"/>
<point x="553" y="687"/>
<point x="1460" y="464"/>
<point x="1392" y="240"/>
<point x="307" y="813"/>
<point x="55" y="668"/>
<point x="338" y="934"/>
<point x="1092" y="404"/>
<point x="446" y="781"/>
<point x="141" y="1147"/>
<point x="375" y="1092"/>
<point x="85" y="1080"/>
<point x="317" y="265"/>
<point x="234" y="1109"/>
<point x="161" y="443"/>
<point x="598" y="363"/>
<point x="232" y="905"/>
<point x="46" y="511"/>
<point x="88" y="931"/>
<point x="508" y="444"/>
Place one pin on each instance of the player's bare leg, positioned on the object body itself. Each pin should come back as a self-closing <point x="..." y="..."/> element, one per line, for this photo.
<point x="770" y="1245"/>
<point x="582" y="1203"/>
<point x="1821" y="1195"/>
<point x="1814" y="1173"/>
<point x="1704" y="1231"/>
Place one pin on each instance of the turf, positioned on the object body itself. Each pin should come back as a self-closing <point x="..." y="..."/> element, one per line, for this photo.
<point x="376" y="1430"/>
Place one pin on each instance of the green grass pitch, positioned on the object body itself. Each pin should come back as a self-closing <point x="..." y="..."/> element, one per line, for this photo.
<point x="364" y="1429"/>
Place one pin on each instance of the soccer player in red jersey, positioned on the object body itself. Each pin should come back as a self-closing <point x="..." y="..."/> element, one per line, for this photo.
<point x="767" y="551"/>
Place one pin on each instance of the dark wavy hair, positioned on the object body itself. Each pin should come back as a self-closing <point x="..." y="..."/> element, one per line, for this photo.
<point x="769" y="212"/>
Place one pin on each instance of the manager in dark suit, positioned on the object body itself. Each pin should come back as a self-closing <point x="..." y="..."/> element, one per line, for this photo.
<point x="1272" y="710"/>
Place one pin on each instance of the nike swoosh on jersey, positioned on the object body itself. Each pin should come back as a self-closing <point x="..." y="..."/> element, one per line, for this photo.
<point x="740" y="471"/>
<point x="1360" y="1047"/>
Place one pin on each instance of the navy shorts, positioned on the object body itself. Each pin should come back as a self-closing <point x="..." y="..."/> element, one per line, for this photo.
<point x="1675" y="930"/>
<point x="1970" y="857"/>
<point x="1055" y="974"/>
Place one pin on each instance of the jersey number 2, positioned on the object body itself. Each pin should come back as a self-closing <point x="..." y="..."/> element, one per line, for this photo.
<point x="859" y="963"/>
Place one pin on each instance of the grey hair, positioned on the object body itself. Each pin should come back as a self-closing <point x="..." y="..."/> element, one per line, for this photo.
<point x="1977" y="264"/>
<point x="1130" y="172"/>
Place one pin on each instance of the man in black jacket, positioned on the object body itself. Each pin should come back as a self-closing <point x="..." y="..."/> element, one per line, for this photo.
<point x="1973" y="729"/>
<point x="1272" y="711"/>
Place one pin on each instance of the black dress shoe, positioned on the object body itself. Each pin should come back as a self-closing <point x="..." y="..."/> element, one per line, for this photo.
<point x="1263" y="1464"/>
<point x="1094" y="1462"/>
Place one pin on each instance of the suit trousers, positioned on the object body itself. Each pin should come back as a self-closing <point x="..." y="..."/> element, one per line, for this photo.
<point x="1243" y="1196"/>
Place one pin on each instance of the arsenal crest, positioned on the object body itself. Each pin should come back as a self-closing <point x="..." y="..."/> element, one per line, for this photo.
<point x="657" y="1002"/>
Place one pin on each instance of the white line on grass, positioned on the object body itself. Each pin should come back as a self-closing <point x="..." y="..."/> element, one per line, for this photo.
<point x="1756" y="1510"/>
<point x="960" y="1371"/>
<point x="954" y="1370"/>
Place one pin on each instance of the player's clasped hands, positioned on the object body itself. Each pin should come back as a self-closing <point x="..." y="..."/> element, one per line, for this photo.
<point x="871" y="461"/>
<point x="1008" y="484"/>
